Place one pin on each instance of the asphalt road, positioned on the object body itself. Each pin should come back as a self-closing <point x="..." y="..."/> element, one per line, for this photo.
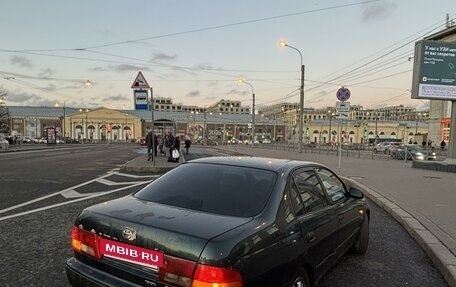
<point x="36" y="243"/>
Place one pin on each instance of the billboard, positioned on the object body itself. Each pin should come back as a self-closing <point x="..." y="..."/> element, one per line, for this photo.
<point x="434" y="71"/>
<point x="141" y="99"/>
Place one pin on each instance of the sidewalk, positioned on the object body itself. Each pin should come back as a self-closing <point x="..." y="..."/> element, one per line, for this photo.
<point x="423" y="201"/>
<point x="159" y="165"/>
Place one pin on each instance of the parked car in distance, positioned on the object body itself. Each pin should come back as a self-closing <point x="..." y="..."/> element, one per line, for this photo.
<point x="141" y="141"/>
<point x="249" y="142"/>
<point x="69" y="140"/>
<point x="413" y="152"/>
<point x="222" y="221"/>
<point x="4" y="144"/>
<point x="385" y="147"/>
<point x="310" y="144"/>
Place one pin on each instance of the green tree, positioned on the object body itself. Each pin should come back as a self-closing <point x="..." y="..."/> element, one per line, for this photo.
<point x="4" y="114"/>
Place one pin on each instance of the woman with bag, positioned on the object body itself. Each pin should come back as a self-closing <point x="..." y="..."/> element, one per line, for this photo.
<point x="176" y="149"/>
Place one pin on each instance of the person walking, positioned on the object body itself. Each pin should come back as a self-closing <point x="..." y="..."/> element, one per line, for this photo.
<point x="176" y="146"/>
<point x="169" y="140"/>
<point x="442" y="145"/>
<point x="187" y="143"/>
<point x="151" y="141"/>
<point x="155" y="145"/>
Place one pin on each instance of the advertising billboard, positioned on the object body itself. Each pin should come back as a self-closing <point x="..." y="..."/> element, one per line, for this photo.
<point x="434" y="71"/>
<point x="141" y="99"/>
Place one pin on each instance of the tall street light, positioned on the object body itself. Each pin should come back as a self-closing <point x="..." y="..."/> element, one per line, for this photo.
<point x="152" y="104"/>
<point x="86" y="135"/>
<point x="331" y="115"/>
<point x="253" y="110"/>
<point x="64" y="115"/>
<point x="301" y="98"/>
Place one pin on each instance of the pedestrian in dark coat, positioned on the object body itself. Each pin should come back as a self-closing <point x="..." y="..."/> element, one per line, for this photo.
<point x="169" y="140"/>
<point x="187" y="143"/>
<point x="151" y="141"/>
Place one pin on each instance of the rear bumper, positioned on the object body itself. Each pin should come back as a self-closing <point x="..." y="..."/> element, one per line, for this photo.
<point x="80" y="274"/>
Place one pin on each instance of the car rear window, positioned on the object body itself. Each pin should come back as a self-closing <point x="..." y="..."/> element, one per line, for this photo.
<point x="213" y="188"/>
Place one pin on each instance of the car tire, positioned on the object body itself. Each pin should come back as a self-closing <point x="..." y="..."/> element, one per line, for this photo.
<point x="362" y="241"/>
<point x="301" y="279"/>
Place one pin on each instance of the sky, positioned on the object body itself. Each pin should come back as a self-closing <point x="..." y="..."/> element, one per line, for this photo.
<point x="195" y="52"/>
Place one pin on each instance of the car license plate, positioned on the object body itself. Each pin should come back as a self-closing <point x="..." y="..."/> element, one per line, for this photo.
<point x="130" y="253"/>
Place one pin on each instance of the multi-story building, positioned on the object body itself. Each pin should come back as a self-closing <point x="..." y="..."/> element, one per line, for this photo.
<point x="228" y="107"/>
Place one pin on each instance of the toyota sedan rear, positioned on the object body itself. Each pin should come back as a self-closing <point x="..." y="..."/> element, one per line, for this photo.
<point x="222" y="221"/>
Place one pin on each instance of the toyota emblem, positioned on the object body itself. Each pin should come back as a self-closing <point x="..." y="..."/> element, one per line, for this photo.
<point x="129" y="234"/>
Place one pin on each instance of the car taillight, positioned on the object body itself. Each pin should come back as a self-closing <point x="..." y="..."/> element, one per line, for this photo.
<point x="85" y="242"/>
<point x="179" y="272"/>
<point x="210" y="276"/>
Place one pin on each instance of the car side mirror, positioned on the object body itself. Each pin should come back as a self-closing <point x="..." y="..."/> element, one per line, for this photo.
<point x="355" y="193"/>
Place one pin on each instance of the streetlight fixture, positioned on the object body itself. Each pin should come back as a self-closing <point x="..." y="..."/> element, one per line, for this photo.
<point x="253" y="110"/>
<point x="301" y="97"/>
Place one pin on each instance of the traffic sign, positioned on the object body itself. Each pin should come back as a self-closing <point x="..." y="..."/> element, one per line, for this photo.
<point x="343" y="94"/>
<point x="140" y="82"/>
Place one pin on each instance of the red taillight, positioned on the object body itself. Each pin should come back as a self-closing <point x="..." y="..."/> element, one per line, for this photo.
<point x="85" y="241"/>
<point x="177" y="271"/>
<point x="210" y="276"/>
<point x="185" y="273"/>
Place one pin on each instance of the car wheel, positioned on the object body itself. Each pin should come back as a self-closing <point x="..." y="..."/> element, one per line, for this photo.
<point x="301" y="279"/>
<point x="362" y="242"/>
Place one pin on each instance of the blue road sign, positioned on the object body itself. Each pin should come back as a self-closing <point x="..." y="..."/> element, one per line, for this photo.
<point x="343" y="94"/>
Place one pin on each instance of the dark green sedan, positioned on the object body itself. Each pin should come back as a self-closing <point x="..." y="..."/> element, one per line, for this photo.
<point x="222" y="221"/>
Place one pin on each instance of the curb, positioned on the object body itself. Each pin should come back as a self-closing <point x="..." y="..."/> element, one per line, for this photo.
<point x="440" y="255"/>
<point x="146" y="169"/>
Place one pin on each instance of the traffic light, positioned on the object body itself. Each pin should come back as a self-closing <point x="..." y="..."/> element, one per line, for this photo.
<point x="307" y="132"/>
<point x="365" y="132"/>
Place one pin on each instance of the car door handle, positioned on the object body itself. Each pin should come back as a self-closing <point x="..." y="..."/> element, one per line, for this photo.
<point x="341" y="219"/>
<point x="310" y="236"/>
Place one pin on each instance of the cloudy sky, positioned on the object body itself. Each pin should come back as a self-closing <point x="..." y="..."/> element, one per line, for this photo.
<point x="195" y="51"/>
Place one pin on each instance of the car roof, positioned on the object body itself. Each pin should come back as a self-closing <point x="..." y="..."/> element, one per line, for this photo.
<point x="272" y="164"/>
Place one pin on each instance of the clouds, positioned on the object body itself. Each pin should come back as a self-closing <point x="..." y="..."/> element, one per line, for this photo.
<point x="162" y="57"/>
<point x="15" y="98"/>
<point x="377" y="11"/>
<point x="21" y="61"/>
<point x="118" y="98"/>
<point x="193" y="94"/>
<point x="128" y="68"/>
<point x="46" y="73"/>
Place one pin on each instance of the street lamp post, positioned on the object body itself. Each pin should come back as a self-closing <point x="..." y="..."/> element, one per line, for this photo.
<point x="331" y="114"/>
<point x="301" y="97"/>
<point x="153" y="124"/>
<point x="253" y="110"/>
<point x="64" y="115"/>
<point x="85" y="111"/>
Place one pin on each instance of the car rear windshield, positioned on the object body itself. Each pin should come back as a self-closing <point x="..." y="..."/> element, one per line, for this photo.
<point x="213" y="188"/>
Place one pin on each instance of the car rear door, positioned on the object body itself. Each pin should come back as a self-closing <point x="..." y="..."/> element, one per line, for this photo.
<point x="317" y="218"/>
<point x="345" y="208"/>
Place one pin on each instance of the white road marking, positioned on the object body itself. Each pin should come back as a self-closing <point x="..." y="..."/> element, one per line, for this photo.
<point x="72" y="193"/>
<point x="65" y="203"/>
